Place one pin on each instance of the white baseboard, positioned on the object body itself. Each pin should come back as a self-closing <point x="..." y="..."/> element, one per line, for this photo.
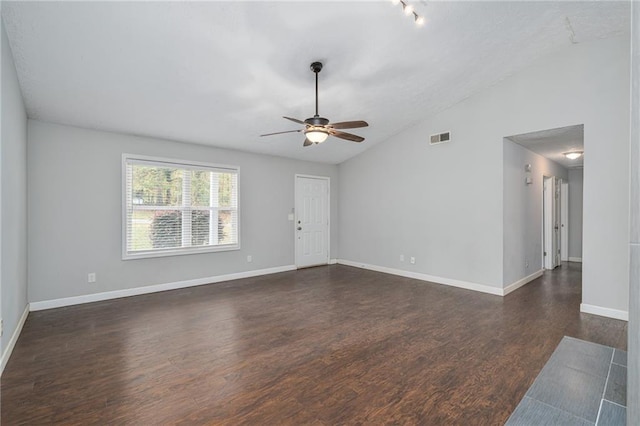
<point x="575" y="259"/>
<point x="516" y="285"/>
<point x="6" y="354"/>
<point x="424" y="277"/>
<point x="333" y="261"/>
<point x="604" y="312"/>
<point x="116" y="294"/>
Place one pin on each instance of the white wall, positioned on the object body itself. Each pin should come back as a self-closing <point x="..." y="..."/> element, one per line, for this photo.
<point x="443" y="204"/>
<point x="13" y="217"/>
<point x="575" y="213"/>
<point x="522" y="221"/>
<point x="75" y="212"/>
<point x="633" y="374"/>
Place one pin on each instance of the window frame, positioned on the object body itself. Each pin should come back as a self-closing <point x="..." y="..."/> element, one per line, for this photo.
<point x="178" y="163"/>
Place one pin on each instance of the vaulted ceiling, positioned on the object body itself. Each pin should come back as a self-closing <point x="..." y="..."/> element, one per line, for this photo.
<point x="222" y="73"/>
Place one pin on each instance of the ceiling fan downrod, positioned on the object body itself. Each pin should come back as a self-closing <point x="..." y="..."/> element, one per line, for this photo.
<point x="316" y="67"/>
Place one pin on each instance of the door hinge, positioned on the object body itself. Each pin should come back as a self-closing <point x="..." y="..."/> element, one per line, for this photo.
<point x="545" y="253"/>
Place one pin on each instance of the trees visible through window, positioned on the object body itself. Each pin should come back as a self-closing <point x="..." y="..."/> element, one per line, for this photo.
<point x="176" y="208"/>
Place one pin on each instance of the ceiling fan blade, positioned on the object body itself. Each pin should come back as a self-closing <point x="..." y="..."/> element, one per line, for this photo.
<point x="345" y="135"/>
<point x="349" y="124"/>
<point x="279" y="133"/>
<point x="295" y="120"/>
<point x="307" y="142"/>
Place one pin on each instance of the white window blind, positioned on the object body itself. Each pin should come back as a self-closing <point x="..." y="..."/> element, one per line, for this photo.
<point x="174" y="207"/>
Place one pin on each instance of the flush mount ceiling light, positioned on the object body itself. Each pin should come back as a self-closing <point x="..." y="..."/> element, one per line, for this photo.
<point x="410" y="11"/>
<point x="574" y="155"/>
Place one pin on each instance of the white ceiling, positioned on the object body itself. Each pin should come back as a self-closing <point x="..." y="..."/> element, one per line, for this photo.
<point x="553" y="143"/>
<point x="222" y="73"/>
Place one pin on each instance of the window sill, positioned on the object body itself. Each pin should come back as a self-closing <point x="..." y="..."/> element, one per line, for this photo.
<point x="177" y="252"/>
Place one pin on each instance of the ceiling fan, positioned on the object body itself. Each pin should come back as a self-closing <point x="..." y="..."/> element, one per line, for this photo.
<point x="317" y="129"/>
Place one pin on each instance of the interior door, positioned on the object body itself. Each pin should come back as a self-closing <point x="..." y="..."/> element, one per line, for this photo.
<point x="312" y="221"/>
<point x="556" y="221"/>
<point x="549" y="223"/>
<point x="564" y="222"/>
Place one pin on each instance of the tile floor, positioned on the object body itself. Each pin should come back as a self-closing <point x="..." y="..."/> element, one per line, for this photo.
<point x="583" y="383"/>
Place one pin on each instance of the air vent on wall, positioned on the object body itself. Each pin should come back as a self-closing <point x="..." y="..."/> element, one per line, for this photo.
<point x="440" y="138"/>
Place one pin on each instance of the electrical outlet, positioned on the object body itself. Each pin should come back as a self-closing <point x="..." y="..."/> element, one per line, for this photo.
<point x="413" y="260"/>
<point x="91" y="278"/>
<point x="402" y="258"/>
<point x="249" y="259"/>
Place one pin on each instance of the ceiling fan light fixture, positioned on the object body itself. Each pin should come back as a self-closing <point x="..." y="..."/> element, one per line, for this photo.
<point x="316" y="135"/>
<point x="574" y="155"/>
<point x="317" y="129"/>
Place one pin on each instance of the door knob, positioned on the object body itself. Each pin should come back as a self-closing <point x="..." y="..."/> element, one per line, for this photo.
<point x="299" y="228"/>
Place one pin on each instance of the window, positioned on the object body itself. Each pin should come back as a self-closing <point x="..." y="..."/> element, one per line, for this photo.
<point x="174" y="207"/>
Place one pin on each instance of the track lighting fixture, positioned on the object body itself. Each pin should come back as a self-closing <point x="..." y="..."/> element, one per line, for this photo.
<point x="410" y="11"/>
<point x="407" y="8"/>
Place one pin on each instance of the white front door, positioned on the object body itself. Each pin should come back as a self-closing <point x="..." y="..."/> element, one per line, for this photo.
<point x="312" y="221"/>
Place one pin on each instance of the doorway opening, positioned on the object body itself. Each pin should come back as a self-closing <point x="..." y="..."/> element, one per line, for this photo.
<point x="542" y="201"/>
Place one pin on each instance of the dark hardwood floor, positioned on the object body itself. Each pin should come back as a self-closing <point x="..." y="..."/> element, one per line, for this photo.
<point x="327" y="345"/>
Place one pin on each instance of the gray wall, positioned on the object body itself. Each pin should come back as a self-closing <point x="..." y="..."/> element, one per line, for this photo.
<point x="633" y="382"/>
<point x="13" y="177"/>
<point x="522" y="220"/>
<point x="605" y="250"/>
<point x="575" y="213"/>
<point x="443" y="204"/>
<point x="75" y="212"/>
